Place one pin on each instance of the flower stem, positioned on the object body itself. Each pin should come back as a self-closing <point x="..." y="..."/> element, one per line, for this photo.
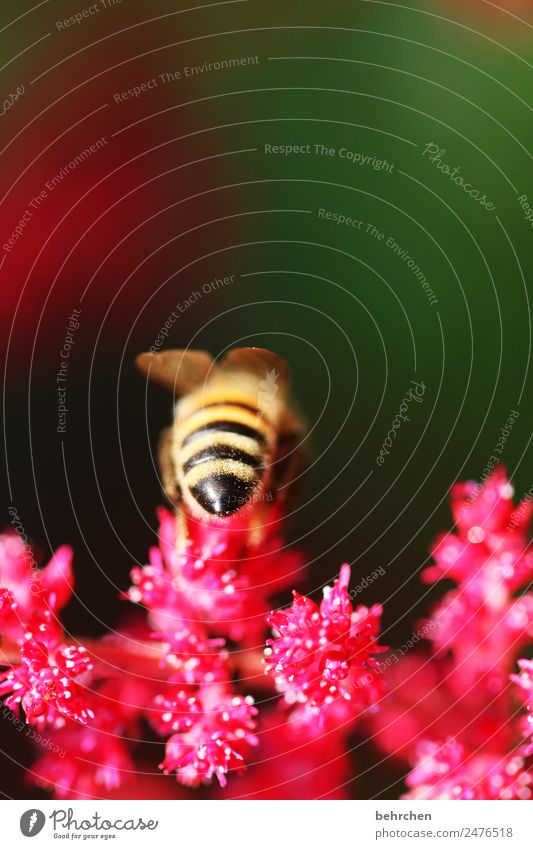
<point x="140" y="656"/>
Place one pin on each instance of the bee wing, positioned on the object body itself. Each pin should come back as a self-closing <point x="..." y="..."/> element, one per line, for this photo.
<point x="176" y="370"/>
<point x="259" y="361"/>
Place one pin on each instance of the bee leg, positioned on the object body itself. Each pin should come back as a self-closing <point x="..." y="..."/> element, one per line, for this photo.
<point x="171" y="487"/>
<point x="182" y="530"/>
<point x="166" y="465"/>
<point x="257" y="525"/>
<point x="282" y="486"/>
<point x="287" y="470"/>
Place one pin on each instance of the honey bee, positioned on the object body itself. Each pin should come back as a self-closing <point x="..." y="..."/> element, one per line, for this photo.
<point x="235" y="441"/>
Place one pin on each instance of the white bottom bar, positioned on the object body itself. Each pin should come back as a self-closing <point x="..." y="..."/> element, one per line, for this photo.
<point x="269" y="825"/>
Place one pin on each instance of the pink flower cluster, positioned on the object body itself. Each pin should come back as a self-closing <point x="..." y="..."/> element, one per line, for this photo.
<point x="525" y="684"/>
<point x="56" y="683"/>
<point x="177" y="676"/>
<point x="46" y="682"/>
<point x="183" y="676"/>
<point x="212" y="583"/>
<point x="321" y="657"/>
<point x="453" y="712"/>
<point x="216" y="577"/>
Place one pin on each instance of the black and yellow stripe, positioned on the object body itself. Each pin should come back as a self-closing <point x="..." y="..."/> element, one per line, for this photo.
<point x="223" y="448"/>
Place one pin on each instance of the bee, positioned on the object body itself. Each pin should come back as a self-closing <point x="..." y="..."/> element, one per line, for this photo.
<point x="235" y="443"/>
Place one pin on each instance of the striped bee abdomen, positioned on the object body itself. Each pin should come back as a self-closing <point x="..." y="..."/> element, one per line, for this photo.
<point x="223" y="453"/>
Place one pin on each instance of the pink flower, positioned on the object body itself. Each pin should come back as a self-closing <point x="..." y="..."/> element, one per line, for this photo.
<point x="177" y="672"/>
<point x="487" y="632"/>
<point x="192" y="588"/>
<point x="194" y="657"/>
<point x="19" y="573"/>
<point x="49" y="588"/>
<point x="285" y="766"/>
<point x="45" y="684"/>
<point x="321" y="657"/>
<point x="17" y="568"/>
<point x="85" y="763"/>
<point x="95" y="760"/>
<point x="525" y="684"/>
<point x="447" y="771"/>
<point x="451" y="711"/>
<point x="490" y="559"/>
<point x="426" y="698"/>
<point x="176" y="710"/>
<point x="217" y="576"/>
<point x="215" y="731"/>
<point x="488" y="506"/>
<point x="489" y="551"/>
<point x="7" y="602"/>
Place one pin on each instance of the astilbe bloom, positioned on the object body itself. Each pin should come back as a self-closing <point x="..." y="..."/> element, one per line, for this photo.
<point x="85" y="764"/>
<point x="218" y="574"/>
<point x="289" y="765"/>
<point x="26" y="590"/>
<point x="448" y="771"/>
<point x="175" y="674"/>
<point x="211" y="727"/>
<point x="524" y="681"/>
<point x="96" y="760"/>
<point x="321" y="657"/>
<point x="56" y="684"/>
<point x="452" y="712"/>
<point x="215" y="732"/>
<point x="46" y="684"/>
<point x="195" y="589"/>
<point x="7" y="602"/>
<point x="46" y="681"/>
